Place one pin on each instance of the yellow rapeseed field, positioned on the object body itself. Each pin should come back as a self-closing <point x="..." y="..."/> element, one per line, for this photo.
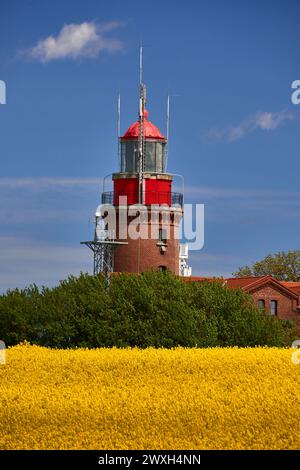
<point x="149" y="399"/>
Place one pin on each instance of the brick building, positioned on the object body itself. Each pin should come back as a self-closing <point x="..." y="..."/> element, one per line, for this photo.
<point x="278" y="298"/>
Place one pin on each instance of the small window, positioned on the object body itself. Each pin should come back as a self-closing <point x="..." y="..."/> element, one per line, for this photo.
<point x="150" y="157"/>
<point x="162" y="268"/>
<point x="162" y="235"/>
<point x="159" y="158"/>
<point x="129" y="160"/>
<point x="155" y="156"/>
<point x="261" y="304"/>
<point x="273" y="307"/>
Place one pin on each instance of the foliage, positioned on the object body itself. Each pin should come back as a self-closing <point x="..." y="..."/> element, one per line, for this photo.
<point x="284" y="266"/>
<point x="153" y="309"/>
<point x="237" y="321"/>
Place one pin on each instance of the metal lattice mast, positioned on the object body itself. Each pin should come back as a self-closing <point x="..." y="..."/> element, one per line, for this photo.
<point x="103" y="247"/>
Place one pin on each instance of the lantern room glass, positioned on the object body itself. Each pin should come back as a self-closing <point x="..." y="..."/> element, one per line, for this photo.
<point x="154" y="161"/>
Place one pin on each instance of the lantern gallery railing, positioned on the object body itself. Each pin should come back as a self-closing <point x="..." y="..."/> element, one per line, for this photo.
<point x="150" y="197"/>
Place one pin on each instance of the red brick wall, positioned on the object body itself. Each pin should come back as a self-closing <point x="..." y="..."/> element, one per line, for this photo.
<point x="143" y="254"/>
<point x="286" y="306"/>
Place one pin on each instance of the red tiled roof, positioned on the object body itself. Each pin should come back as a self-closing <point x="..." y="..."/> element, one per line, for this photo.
<point x="295" y="286"/>
<point x="202" y="279"/>
<point x="251" y="282"/>
<point x="236" y="282"/>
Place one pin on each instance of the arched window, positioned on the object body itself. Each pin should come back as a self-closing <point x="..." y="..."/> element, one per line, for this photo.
<point x="273" y="307"/>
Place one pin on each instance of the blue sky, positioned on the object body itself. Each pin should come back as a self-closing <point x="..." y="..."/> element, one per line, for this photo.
<point x="234" y="131"/>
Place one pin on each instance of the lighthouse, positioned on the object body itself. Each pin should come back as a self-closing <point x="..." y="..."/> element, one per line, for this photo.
<point x="137" y="225"/>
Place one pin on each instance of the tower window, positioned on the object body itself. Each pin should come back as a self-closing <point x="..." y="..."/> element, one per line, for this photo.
<point x="129" y="160"/>
<point x="150" y="156"/>
<point x="162" y="235"/>
<point x="273" y="307"/>
<point x="162" y="268"/>
<point x="261" y="304"/>
<point x="155" y="157"/>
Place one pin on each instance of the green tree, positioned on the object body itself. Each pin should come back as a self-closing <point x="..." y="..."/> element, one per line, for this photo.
<point x="154" y="309"/>
<point x="236" y="320"/>
<point x="18" y="314"/>
<point x="74" y="314"/>
<point x="284" y="266"/>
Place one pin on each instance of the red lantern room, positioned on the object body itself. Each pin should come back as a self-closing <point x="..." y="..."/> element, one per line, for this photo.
<point x="157" y="185"/>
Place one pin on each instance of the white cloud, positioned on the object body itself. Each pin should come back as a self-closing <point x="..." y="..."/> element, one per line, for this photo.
<point x="75" y="41"/>
<point x="40" y="183"/>
<point x="265" y="121"/>
<point x="212" y="192"/>
<point x="245" y="205"/>
<point x="26" y="261"/>
<point x="48" y="199"/>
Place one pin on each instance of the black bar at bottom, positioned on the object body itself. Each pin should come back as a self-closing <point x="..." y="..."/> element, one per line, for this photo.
<point x="137" y="459"/>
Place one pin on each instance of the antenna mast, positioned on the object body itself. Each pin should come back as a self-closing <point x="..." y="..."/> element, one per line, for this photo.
<point x="168" y="129"/>
<point x="141" y="146"/>
<point x="119" y="129"/>
<point x="141" y="65"/>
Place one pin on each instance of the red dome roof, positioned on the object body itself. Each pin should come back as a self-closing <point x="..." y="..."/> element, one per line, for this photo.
<point x="150" y="130"/>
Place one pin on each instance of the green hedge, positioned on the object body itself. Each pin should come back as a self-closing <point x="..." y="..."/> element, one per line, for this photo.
<point x="153" y="309"/>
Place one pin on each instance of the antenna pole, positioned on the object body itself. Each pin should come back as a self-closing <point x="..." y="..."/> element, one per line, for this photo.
<point x="168" y="129"/>
<point x="119" y="129"/>
<point x="141" y="148"/>
<point x="141" y="65"/>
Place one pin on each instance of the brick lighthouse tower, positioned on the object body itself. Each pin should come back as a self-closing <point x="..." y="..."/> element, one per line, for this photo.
<point x="140" y="218"/>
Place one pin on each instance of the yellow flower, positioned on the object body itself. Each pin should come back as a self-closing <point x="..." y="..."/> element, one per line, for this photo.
<point x="216" y="398"/>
